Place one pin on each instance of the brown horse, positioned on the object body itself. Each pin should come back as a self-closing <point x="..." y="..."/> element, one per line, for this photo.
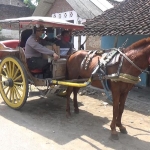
<point x="138" y="53"/>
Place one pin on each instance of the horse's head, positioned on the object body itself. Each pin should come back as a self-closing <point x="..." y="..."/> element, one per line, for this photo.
<point x="140" y="49"/>
<point x="138" y="57"/>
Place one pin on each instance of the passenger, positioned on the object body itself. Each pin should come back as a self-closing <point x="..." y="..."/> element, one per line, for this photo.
<point x="66" y="47"/>
<point x="34" y="51"/>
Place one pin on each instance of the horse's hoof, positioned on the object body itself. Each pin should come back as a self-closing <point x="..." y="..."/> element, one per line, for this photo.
<point x="76" y="111"/>
<point x="114" y="137"/>
<point x="68" y="115"/>
<point x="124" y="131"/>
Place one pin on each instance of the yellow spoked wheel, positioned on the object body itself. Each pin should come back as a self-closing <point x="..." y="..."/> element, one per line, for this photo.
<point x="14" y="82"/>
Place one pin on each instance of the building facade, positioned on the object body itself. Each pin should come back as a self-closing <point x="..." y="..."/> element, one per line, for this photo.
<point x="75" y="11"/>
<point x="12" y="9"/>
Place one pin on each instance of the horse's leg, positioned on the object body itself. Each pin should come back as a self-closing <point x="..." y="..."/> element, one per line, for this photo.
<point x="75" y="91"/>
<point x="116" y="97"/>
<point x="69" y="91"/>
<point x="121" y="109"/>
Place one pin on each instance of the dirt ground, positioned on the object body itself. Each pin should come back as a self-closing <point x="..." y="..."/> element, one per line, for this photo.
<point x="42" y="125"/>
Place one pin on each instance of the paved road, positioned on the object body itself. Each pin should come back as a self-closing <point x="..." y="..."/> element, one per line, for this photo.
<point x="41" y="124"/>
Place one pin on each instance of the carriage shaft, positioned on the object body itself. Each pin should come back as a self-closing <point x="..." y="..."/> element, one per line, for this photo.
<point x="71" y="83"/>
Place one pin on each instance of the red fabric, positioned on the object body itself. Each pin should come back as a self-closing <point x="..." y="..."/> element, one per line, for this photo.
<point x="36" y="71"/>
<point x="11" y="43"/>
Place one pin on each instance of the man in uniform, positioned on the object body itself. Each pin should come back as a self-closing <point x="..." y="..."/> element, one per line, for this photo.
<point x="34" y="51"/>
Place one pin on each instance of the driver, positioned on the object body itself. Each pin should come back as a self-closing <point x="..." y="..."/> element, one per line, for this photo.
<point x="34" y="51"/>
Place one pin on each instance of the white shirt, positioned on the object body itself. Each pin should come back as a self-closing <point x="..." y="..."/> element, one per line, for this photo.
<point x="34" y="49"/>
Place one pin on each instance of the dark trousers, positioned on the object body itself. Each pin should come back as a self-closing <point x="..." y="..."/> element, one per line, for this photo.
<point x="40" y="63"/>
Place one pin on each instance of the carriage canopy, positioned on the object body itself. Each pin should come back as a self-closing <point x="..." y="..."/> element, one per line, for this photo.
<point x="46" y="21"/>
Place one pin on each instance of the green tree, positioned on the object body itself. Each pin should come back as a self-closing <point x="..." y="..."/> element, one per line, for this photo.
<point x="31" y="3"/>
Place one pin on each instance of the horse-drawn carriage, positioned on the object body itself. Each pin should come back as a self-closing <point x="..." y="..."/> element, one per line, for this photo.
<point x="14" y="73"/>
<point x="119" y="68"/>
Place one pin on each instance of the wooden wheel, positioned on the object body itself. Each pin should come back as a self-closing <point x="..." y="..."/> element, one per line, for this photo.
<point x="14" y="82"/>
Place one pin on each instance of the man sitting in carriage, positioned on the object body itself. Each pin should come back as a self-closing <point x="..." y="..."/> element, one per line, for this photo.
<point x="34" y="51"/>
<point x="66" y="47"/>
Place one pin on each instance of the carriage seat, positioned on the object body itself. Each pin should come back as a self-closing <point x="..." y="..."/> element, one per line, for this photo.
<point x="23" y="58"/>
<point x="10" y="43"/>
<point x="36" y="71"/>
<point x="3" y="47"/>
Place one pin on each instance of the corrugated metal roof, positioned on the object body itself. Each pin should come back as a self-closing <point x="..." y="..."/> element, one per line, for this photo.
<point x="86" y="9"/>
<point x="102" y="5"/>
<point x="129" y="17"/>
<point x="43" y="7"/>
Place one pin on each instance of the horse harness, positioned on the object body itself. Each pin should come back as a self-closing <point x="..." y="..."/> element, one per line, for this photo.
<point x="110" y="58"/>
<point x="86" y="61"/>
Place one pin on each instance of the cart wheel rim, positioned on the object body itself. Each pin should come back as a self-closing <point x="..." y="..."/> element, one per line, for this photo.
<point x="13" y="84"/>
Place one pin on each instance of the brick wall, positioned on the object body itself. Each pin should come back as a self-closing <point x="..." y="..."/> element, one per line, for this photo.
<point x="59" y="6"/>
<point x="93" y="43"/>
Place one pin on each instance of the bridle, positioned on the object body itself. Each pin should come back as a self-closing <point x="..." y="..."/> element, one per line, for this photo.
<point x="130" y="61"/>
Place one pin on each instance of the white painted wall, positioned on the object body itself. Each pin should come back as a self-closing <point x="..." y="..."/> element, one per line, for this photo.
<point x="10" y="34"/>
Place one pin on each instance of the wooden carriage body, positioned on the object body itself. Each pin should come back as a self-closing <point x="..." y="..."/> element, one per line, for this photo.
<point x="14" y="73"/>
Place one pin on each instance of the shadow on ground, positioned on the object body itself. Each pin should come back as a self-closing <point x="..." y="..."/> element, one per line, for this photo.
<point x="47" y="118"/>
<point x="138" y="98"/>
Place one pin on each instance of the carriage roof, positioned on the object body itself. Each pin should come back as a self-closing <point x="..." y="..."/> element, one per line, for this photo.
<point x="46" y="21"/>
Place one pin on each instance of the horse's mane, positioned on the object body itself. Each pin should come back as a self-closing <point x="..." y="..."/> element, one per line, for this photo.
<point x="139" y="43"/>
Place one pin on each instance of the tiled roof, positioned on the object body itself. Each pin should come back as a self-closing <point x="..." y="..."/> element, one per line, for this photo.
<point x="9" y="11"/>
<point x="113" y="2"/>
<point x="128" y="17"/>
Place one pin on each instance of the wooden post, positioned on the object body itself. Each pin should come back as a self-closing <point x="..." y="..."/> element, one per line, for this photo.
<point x="79" y="42"/>
<point x="116" y="41"/>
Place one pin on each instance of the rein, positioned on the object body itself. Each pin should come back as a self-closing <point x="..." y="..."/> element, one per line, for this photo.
<point x="101" y="67"/>
<point x="116" y="76"/>
<point x="143" y="71"/>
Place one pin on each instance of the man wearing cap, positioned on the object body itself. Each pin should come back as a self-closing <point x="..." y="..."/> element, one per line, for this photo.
<point x="34" y="51"/>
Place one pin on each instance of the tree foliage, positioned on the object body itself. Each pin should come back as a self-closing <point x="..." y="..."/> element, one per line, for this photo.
<point x="31" y="3"/>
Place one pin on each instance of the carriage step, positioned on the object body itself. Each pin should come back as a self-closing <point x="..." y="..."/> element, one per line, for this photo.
<point x="55" y="90"/>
